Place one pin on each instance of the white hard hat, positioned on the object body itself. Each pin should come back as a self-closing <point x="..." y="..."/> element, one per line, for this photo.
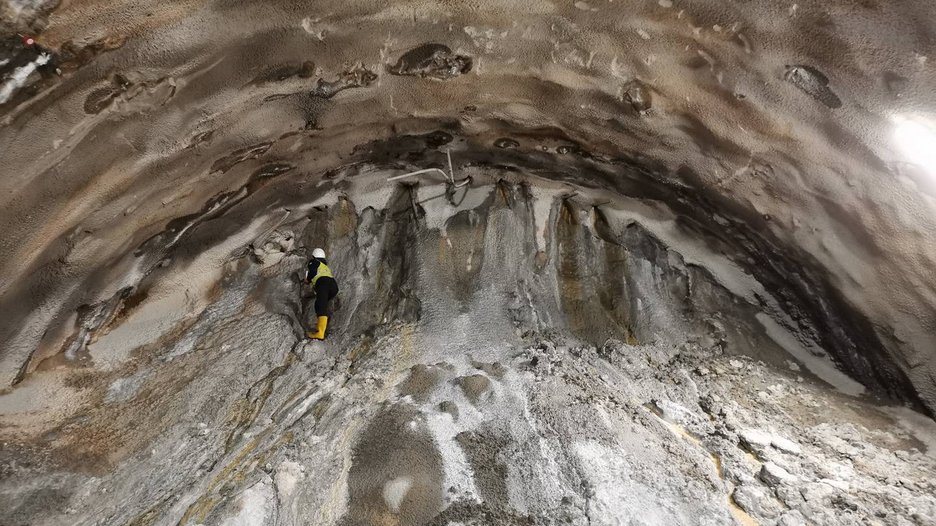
<point x="318" y="253"/>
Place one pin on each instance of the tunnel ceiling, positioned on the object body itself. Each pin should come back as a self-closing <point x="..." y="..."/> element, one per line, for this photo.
<point x="790" y="135"/>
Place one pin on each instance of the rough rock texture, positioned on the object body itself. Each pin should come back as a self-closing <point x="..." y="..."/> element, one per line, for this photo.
<point x="711" y="109"/>
<point x="693" y="255"/>
<point x="494" y="402"/>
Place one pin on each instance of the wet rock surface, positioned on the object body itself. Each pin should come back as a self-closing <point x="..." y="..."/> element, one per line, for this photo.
<point x="429" y="420"/>
<point x="688" y="279"/>
<point x="691" y="157"/>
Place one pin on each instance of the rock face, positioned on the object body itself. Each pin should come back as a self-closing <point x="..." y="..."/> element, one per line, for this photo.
<point x="291" y="86"/>
<point x="664" y="278"/>
<point x="504" y="399"/>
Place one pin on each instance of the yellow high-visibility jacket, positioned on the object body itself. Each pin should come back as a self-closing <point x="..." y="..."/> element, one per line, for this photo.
<point x="322" y="270"/>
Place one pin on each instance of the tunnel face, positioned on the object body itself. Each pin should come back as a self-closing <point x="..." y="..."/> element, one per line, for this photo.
<point x="688" y="277"/>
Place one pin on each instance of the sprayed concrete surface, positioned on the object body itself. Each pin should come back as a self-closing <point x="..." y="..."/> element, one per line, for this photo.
<point x="443" y="401"/>
<point x="688" y="279"/>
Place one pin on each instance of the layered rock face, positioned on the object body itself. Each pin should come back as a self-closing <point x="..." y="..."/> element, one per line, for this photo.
<point x="672" y="266"/>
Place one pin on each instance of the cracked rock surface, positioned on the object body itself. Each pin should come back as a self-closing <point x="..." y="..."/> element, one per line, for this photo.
<point x="678" y="271"/>
<point x="509" y="398"/>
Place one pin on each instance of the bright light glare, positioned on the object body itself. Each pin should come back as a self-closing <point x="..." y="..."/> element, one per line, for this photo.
<point x="916" y="139"/>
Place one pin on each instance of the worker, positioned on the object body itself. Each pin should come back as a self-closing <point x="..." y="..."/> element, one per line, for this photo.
<point x="320" y="277"/>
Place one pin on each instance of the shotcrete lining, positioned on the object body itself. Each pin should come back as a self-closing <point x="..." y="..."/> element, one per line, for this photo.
<point x="431" y="203"/>
<point x="657" y="172"/>
<point x="556" y="423"/>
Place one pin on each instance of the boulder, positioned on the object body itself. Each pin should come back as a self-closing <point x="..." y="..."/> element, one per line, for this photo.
<point x="774" y="475"/>
<point x="787" y="446"/>
<point x="792" y="518"/>
<point x="755" y="440"/>
<point x="757" y="501"/>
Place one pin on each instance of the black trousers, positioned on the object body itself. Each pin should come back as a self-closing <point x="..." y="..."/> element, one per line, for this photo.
<point x="325" y="289"/>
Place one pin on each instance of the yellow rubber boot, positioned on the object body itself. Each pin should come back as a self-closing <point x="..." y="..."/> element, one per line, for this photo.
<point x="320" y="332"/>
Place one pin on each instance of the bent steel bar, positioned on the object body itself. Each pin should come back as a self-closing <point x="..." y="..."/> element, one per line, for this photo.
<point x="450" y="175"/>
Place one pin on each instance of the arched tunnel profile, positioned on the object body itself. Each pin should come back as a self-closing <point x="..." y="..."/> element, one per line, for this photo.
<point x="599" y="262"/>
